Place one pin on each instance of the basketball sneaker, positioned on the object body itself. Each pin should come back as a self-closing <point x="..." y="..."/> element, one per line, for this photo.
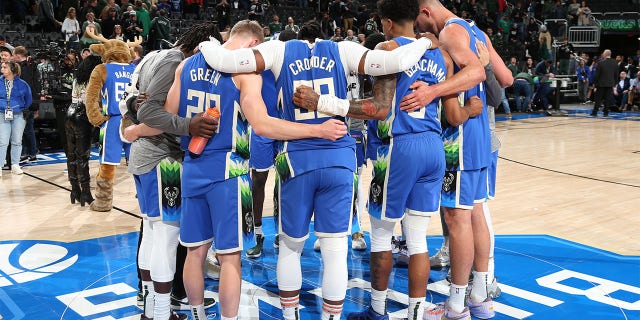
<point x="440" y="259"/>
<point x="368" y="314"/>
<point x="140" y="299"/>
<point x="395" y="245"/>
<point x="256" y="251"/>
<point x="493" y="290"/>
<point x="402" y="258"/>
<point x="357" y="242"/>
<point x="434" y="313"/>
<point x="276" y="241"/>
<point x="174" y="316"/>
<point x="316" y="245"/>
<point x="183" y="303"/>
<point x="481" y="310"/>
<point x="211" y="266"/>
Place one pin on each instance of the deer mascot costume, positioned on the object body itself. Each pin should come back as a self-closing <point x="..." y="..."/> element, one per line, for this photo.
<point x="104" y="90"/>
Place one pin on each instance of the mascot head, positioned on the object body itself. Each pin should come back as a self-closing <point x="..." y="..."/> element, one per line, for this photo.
<point x="112" y="50"/>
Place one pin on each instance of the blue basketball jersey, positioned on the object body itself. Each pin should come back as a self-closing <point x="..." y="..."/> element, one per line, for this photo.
<point x="226" y="154"/>
<point x="431" y="69"/>
<point x="468" y="146"/>
<point x="319" y="67"/>
<point x="118" y="76"/>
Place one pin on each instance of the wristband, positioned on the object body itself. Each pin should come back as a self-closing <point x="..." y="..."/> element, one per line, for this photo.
<point x="333" y="105"/>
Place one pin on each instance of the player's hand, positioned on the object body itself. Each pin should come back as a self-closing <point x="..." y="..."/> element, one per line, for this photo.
<point x="131" y="133"/>
<point x="434" y="40"/>
<point x="483" y="53"/>
<point x="332" y="129"/>
<point x="474" y="106"/>
<point x="202" y="127"/>
<point x="305" y="97"/>
<point x="420" y="97"/>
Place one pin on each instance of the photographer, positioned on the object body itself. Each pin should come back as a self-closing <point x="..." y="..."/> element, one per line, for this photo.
<point x="563" y="54"/>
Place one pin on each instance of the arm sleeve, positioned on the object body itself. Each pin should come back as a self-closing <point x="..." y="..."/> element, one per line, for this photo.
<point x="151" y="112"/>
<point x="273" y="54"/>
<point x="239" y="60"/>
<point x="351" y="54"/>
<point x="380" y="62"/>
<point x="494" y="94"/>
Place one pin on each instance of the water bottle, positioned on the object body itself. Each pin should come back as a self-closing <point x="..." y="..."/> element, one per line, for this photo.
<point x="197" y="143"/>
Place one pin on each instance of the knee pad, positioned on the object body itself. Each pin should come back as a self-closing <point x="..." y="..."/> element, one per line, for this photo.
<point x="414" y="228"/>
<point x="288" y="269"/>
<point x="146" y="245"/>
<point x="335" y="278"/>
<point x="163" y="255"/>
<point x="381" y="232"/>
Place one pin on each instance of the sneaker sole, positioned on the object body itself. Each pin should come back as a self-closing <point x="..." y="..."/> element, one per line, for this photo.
<point x="255" y="255"/>
<point x="208" y="303"/>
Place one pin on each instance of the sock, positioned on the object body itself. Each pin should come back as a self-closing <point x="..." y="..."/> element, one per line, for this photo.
<point x="258" y="230"/>
<point x="479" y="287"/>
<point x="197" y="312"/>
<point x="148" y="294"/>
<point x="331" y="311"/>
<point x="162" y="309"/>
<point x="379" y="301"/>
<point x="416" y="308"/>
<point x="225" y="318"/>
<point x="290" y="307"/>
<point x="491" y="271"/>
<point x="456" y="297"/>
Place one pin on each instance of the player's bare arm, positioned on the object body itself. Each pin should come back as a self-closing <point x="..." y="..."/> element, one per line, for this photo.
<point x="255" y="110"/>
<point x="455" y="40"/>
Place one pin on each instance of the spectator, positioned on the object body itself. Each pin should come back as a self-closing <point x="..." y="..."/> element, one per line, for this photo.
<point x="328" y="25"/>
<point x="630" y="68"/>
<point x="118" y="34"/>
<point x="370" y="27"/>
<point x="164" y="4"/>
<point x="361" y="18"/>
<point x="564" y="52"/>
<point x="191" y="6"/>
<point x="86" y="40"/>
<point x="46" y="16"/>
<point x="109" y="23"/>
<point x="337" y="35"/>
<point x="30" y="75"/>
<point x="528" y="66"/>
<point x="90" y="6"/>
<point x="621" y="63"/>
<point x="584" y="14"/>
<point x="161" y="30"/>
<point x="335" y="11"/>
<point x="351" y="37"/>
<point x="15" y="97"/>
<point x="621" y="91"/>
<point x="349" y="12"/>
<point x="544" y="71"/>
<point x="634" y="91"/>
<point x="104" y="13"/>
<point x="91" y="21"/>
<point x="256" y="10"/>
<point x="291" y="25"/>
<point x="3" y="43"/>
<point x="582" y="73"/>
<point x="605" y="78"/>
<point x="275" y="25"/>
<point x="223" y="11"/>
<point x="144" y="18"/>
<point x="512" y="66"/>
<point x="6" y="54"/>
<point x="132" y="27"/>
<point x="71" y="30"/>
<point x="545" y="43"/>
<point x="522" y="87"/>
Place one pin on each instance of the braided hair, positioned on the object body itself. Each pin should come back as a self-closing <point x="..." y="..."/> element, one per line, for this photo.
<point x="190" y="40"/>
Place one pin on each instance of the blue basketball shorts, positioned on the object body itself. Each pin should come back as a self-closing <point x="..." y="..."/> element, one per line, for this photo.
<point x="160" y="191"/>
<point x="461" y="189"/>
<point x="407" y="177"/>
<point x="262" y="152"/>
<point x="223" y="213"/>
<point x="325" y="192"/>
<point x="112" y="145"/>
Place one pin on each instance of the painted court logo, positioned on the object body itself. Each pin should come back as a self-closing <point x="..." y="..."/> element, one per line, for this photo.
<point x="24" y="262"/>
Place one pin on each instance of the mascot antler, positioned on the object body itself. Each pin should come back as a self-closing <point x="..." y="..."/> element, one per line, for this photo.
<point x="98" y="37"/>
<point x="137" y="42"/>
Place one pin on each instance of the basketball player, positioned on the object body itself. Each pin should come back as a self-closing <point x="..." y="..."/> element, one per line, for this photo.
<point x="401" y="190"/>
<point x="155" y="162"/>
<point x="315" y="176"/>
<point x="220" y="173"/>
<point x="464" y="186"/>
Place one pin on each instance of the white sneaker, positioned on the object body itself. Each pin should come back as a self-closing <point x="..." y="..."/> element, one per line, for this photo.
<point x="212" y="266"/>
<point x="440" y="259"/>
<point x="15" y="169"/>
<point x="316" y="245"/>
<point x="357" y="242"/>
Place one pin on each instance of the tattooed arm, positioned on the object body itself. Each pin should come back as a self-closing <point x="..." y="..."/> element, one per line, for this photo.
<point x="376" y="107"/>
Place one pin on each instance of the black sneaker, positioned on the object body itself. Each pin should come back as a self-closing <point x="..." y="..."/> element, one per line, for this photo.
<point x="256" y="251"/>
<point x="24" y="159"/>
<point x="33" y="158"/>
<point x="183" y="304"/>
<point x="6" y="167"/>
